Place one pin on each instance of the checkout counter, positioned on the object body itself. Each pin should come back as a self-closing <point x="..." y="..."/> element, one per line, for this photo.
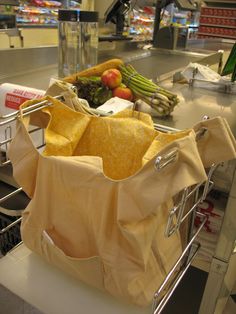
<point x="27" y="275"/>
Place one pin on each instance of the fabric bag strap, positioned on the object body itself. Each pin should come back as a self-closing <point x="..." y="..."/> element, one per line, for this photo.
<point x="22" y="152"/>
<point x="217" y="143"/>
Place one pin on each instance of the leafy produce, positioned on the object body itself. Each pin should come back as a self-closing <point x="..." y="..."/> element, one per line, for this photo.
<point x="158" y="98"/>
<point x="96" y="70"/>
<point x="102" y="94"/>
<point x="93" y="90"/>
<point x="111" y="78"/>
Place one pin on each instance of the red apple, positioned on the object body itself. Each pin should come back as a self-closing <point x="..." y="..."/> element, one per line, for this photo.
<point x="123" y="92"/>
<point x="111" y="78"/>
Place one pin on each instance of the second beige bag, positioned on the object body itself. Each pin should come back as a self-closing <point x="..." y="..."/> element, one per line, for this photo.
<point x="99" y="203"/>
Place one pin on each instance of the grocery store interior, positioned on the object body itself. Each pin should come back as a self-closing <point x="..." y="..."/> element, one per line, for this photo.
<point x="128" y="203"/>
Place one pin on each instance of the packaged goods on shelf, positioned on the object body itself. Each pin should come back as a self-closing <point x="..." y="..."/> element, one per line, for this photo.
<point x="217" y="22"/>
<point x="142" y="22"/>
<point x="213" y="208"/>
<point x="39" y="12"/>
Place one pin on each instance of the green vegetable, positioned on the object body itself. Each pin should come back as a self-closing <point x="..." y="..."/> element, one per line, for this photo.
<point x="102" y="94"/>
<point x="87" y="88"/>
<point x="158" y="98"/>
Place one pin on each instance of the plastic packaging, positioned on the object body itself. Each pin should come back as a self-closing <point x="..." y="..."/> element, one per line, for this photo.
<point x="88" y="39"/>
<point x="78" y="40"/>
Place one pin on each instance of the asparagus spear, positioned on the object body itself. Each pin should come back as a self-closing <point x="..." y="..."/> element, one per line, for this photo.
<point x="160" y="99"/>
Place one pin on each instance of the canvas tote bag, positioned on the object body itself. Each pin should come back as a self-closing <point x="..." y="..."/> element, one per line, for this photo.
<point x="216" y="144"/>
<point x="99" y="204"/>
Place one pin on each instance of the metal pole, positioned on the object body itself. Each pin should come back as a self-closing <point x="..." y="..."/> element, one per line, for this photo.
<point x="160" y="4"/>
<point x="156" y="23"/>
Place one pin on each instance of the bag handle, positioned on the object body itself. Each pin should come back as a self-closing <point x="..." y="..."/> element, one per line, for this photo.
<point x="22" y="153"/>
<point x="216" y="134"/>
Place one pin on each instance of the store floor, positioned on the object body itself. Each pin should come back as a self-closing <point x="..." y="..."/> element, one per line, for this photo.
<point x="185" y="300"/>
<point x="11" y="304"/>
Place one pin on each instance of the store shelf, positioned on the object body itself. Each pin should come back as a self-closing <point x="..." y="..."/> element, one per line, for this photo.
<point x="220" y="16"/>
<point x="38" y="16"/>
<point x="217" y="21"/>
<point x="216" y="35"/>
<point x="25" y="25"/>
<point x="220" y="1"/>
<point x="215" y="25"/>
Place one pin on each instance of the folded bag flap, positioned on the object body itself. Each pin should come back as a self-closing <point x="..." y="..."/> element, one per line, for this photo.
<point x="216" y="143"/>
<point x="162" y="183"/>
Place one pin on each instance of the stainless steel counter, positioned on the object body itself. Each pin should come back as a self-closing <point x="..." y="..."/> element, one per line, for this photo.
<point x="197" y="102"/>
<point x="34" y="68"/>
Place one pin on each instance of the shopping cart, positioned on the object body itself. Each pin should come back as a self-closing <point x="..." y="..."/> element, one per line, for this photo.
<point x="183" y="212"/>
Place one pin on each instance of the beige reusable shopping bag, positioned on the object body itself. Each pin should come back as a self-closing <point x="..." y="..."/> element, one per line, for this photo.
<point x="217" y="143"/>
<point x="99" y="199"/>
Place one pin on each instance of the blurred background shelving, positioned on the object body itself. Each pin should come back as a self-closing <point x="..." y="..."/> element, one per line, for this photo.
<point x="218" y="19"/>
<point x="39" y="12"/>
<point x="33" y="13"/>
<point x="141" y="20"/>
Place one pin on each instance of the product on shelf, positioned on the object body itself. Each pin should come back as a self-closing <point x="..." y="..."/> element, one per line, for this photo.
<point x="142" y="20"/>
<point x="217" y="22"/>
<point x="142" y="23"/>
<point x="39" y="12"/>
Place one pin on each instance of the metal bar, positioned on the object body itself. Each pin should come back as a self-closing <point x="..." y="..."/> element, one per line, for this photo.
<point x="166" y="159"/>
<point x="26" y="111"/>
<point x="5" y="163"/>
<point x="16" y="246"/>
<point x="193" y="216"/>
<point x="46" y="104"/>
<point x="208" y="182"/>
<point x="17" y="112"/>
<point x="164" y="128"/>
<point x="197" y="203"/>
<point x="213" y="58"/>
<point x="172" y="227"/>
<point x="3" y="199"/>
<point x="10" y="139"/>
<point x="161" y="288"/>
<point x="168" y="295"/>
<point x="181" y="207"/>
<point x="4" y="230"/>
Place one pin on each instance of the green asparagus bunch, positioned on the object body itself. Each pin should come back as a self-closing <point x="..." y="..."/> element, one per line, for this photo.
<point x="158" y="98"/>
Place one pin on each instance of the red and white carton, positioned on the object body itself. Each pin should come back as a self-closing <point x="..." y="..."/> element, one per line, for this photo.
<point x="11" y="97"/>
